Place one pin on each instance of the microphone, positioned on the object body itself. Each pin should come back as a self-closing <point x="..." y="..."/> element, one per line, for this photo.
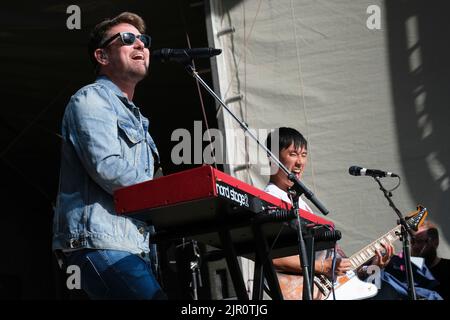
<point x="358" y="171"/>
<point x="183" y="55"/>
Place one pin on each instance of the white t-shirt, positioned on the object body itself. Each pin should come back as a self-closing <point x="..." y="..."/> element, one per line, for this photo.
<point x="274" y="190"/>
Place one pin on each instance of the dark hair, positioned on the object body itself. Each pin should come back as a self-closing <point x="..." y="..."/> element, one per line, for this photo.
<point x="98" y="33"/>
<point x="286" y="137"/>
<point x="432" y="231"/>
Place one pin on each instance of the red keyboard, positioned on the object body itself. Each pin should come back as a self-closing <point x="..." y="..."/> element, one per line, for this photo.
<point x="194" y="203"/>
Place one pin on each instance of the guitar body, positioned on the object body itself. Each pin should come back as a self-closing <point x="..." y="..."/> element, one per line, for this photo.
<point x="347" y="287"/>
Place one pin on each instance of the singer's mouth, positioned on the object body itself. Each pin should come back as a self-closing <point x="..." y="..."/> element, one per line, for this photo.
<point x="138" y="57"/>
<point x="297" y="172"/>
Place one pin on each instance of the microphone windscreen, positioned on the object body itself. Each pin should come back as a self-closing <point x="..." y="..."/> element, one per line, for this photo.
<point x="354" y="170"/>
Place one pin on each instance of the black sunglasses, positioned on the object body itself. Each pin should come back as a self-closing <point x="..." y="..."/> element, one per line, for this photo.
<point x="128" y="38"/>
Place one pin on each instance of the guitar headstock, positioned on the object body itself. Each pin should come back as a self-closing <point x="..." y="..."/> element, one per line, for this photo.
<point x="416" y="218"/>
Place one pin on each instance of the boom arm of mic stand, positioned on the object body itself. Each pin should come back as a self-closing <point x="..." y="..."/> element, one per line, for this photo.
<point x="300" y="188"/>
<point x="298" y="185"/>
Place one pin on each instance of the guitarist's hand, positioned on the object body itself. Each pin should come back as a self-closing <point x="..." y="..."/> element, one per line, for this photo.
<point x="382" y="259"/>
<point x="342" y="266"/>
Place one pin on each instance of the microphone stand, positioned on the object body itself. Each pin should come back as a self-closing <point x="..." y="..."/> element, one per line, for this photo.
<point x="303" y="255"/>
<point x="298" y="186"/>
<point x="405" y="231"/>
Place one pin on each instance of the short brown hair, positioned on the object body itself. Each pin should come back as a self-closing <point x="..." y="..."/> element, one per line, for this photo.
<point x="98" y="33"/>
<point x="432" y="231"/>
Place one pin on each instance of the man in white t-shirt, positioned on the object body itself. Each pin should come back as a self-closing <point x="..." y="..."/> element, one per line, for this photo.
<point x="293" y="152"/>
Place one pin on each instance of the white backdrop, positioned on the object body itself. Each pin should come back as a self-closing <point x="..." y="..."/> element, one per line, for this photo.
<point x="316" y="66"/>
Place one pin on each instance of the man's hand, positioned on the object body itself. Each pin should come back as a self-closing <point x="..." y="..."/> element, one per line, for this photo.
<point x="382" y="259"/>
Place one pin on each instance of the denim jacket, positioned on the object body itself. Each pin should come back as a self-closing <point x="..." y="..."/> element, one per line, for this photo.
<point x="106" y="145"/>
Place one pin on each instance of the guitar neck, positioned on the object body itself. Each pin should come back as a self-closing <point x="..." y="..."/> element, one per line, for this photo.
<point x="368" y="252"/>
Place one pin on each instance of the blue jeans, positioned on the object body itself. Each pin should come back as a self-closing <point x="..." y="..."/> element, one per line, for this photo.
<point x="113" y="274"/>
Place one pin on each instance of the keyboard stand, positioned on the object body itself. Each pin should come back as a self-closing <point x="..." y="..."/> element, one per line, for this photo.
<point x="233" y="265"/>
<point x="264" y="266"/>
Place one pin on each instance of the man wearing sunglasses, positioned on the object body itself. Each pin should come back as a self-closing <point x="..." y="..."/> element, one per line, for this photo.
<point x="106" y="145"/>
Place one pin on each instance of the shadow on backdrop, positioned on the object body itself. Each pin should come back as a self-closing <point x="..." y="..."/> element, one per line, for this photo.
<point x="419" y="56"/>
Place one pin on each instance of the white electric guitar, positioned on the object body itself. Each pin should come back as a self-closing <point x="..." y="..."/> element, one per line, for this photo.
<point x="348" y="286"/>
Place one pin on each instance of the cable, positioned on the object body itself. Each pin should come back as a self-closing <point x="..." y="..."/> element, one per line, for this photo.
<point x="205" y="118"/>
<point x="333" y="268"/>
<point x="398" y="184"/>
